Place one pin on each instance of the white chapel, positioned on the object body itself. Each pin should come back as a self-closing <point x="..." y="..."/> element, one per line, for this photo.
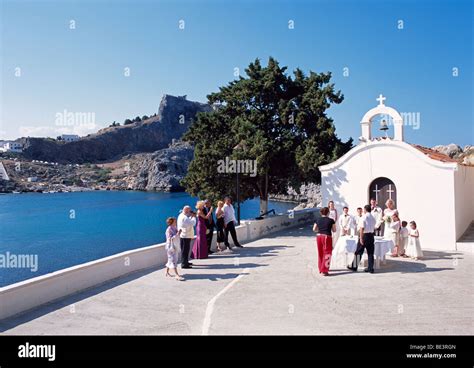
<point x="428" y="187"/>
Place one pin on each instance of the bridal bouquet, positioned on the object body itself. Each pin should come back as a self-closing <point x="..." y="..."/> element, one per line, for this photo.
<point x="387" y="219"/>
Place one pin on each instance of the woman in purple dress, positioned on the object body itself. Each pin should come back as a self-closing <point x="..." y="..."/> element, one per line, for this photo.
<point x="200" y="244"/>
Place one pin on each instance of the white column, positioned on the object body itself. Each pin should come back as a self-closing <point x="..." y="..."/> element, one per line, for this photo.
<point x="366" y="134"/>
<point x="398" y="130"/>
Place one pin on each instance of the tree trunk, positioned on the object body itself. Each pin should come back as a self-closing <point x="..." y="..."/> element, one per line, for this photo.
<point x="264" y="197"/>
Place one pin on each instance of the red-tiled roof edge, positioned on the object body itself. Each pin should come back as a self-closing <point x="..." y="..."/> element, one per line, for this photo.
<point x="435" y="155"/>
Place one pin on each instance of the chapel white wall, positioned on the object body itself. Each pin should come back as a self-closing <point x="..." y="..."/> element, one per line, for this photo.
<point x="425" y="193"/>
<point x="464" y="201"/>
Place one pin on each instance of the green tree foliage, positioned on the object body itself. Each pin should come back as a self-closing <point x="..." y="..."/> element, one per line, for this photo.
<point x="127" y="122"/>
<point x="274" y="118"/>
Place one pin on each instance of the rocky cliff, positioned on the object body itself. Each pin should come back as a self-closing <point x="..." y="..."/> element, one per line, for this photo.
<point x="464" y="155"/>
<point x="161" y="170"/>
<point x="158" y="171"/>
<point x="174" y="116"/>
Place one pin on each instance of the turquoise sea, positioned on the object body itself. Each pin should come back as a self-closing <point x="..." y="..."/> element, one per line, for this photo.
<point x="66" y="229"/>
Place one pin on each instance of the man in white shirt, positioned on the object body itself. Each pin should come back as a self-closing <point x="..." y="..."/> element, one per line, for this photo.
<point x="229" y="223"/>
<point x="378" y="215"/>
<point x="366" y="241"/>
<point x="357" y="222"/>
<point x="185" y="223"/>
<point x="345" y="222"/>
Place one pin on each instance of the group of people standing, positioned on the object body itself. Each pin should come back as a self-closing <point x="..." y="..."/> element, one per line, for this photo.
<point x="369" y="222"/>
<point x="182" y="230"/>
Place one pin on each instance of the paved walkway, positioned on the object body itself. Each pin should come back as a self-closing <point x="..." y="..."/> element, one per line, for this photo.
<point x="272" y="287"/>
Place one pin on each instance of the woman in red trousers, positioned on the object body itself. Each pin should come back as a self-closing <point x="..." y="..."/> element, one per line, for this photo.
<point x="324" y="226"/>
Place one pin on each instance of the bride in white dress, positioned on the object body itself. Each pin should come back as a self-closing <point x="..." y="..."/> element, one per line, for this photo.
<point x="388" y="214"/>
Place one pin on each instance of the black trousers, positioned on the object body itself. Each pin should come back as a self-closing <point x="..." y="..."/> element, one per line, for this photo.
<point x="369" y="245"/>
<point x="380" y="230"/>
<point x="230" y="227"/>
<point x="209" y="238"/>
<point x="185" y="244"/>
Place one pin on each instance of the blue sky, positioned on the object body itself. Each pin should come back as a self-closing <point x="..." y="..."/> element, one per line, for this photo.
<point x="82" y="69"/>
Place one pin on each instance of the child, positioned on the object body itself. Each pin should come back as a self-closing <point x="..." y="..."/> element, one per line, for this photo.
<point x="171" y="251"/>
<point x="414" y="249"/>
<point x="394" y="232"/>
<point x="403" y="239"/>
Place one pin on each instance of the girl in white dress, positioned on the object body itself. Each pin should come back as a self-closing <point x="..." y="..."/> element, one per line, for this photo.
<point x="171" y="249"/>
<point x="414" y="248"/>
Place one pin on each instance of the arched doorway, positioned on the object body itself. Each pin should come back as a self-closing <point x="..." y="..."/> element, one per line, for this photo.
<point x="382" y="189"/>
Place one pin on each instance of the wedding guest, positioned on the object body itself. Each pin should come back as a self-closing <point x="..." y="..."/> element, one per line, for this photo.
<point x="200" y="244"/>
<point x="334" y="215"/>
<point x="229" y="223"/>
<point x="366" y="241"/>
<point x="220" y="226"/>
<point x="325" y="227"/>
<point x="404" y="232"/>
<point x="357" y="219"/>
<point x="332" y="211"/>
<point x="394" y="234"/>
<point x="376" y="211"/>
<point x="387" y="215"/>
<point x="210" y="224"/>
<point x="186" y="223"/>
<point x="414" y="248"/>
<point x="171" y="249"/>
<point x="345" y="222"/>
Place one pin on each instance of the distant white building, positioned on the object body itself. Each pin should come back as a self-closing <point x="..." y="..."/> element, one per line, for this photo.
<point x="69" y="137"/>
<point x="11" y="147"/>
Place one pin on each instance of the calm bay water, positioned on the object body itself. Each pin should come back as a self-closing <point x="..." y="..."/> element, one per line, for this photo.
<point x="105" y="223"/>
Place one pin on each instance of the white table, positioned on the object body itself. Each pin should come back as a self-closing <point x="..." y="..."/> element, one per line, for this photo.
<point x="347" y="245"/>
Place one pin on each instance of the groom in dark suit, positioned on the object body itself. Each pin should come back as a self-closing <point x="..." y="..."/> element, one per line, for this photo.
<point x="210" y="224"/>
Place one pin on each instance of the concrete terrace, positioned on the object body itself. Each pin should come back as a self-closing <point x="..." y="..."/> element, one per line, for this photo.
<point x="272" y="286"/>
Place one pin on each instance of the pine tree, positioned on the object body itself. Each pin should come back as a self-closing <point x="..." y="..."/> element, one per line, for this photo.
<point x="276" y="119"/>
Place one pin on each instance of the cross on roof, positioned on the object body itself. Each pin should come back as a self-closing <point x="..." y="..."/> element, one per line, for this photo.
<point x="381" y="99"/>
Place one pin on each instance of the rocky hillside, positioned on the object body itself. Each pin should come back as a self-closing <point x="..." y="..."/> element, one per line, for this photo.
<point x="158" y="171"/>
<point x="161" y="170"/>
<point x="175" y="114"/>
<point x="464" y="155"/>
<point x="309" y="195"/>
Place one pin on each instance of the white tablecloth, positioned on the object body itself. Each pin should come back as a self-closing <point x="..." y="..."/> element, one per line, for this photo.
<point x="347" y="245"/>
